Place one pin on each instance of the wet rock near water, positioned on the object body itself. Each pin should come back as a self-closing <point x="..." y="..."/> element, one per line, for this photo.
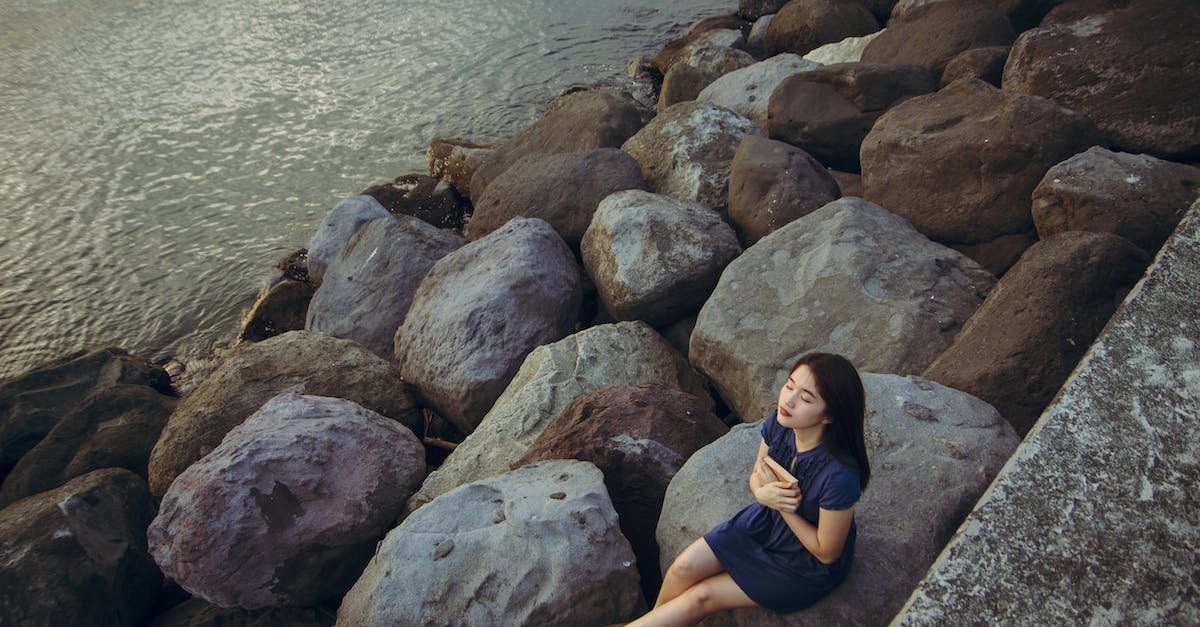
<point x="424" y="197"/>
<point x="454" y="161"/>
<point x="747" y="91"/>
<point x="803" y="25"/>
<point x="676" y="49"/>
<point x="342" y="222"/>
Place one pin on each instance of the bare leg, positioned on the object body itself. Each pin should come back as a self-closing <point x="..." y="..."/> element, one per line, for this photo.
<point x="714" y="594"/>
<point x="695" y="564"/>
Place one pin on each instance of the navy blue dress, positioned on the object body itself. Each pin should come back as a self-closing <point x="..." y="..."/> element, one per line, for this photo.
<point x="762" y="554"/>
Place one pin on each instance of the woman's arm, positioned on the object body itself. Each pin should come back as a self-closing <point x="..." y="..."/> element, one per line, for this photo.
<point x="776" y="495"/>
<point x="825" y="540"/>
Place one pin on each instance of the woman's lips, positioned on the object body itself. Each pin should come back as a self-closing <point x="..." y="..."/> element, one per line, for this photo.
<point x="785" y="412"/>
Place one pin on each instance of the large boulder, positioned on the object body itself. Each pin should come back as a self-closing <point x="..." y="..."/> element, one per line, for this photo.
<point x="828" y="111"/>
<point x="849" y="278"/>
<point x="1138" y="197"/>
<point x="655" y="258"/>
<point x="748" y="91"/>
<point x="562" y="189"/>
<point x="113" y="427"/>
<point x="932" y="450"/>
<point x="479" y="312"/>
<point x="961" y="164"/>
<point x="77" y="555"/>
<point x="604" y="356"/>
<point x="1135" y="72"/>
<point x="701" y="34"/>
<point x="32" y="403"/>
<point x="273" y="516"/>
<point x="1038" y="321"/>
<point x="280" y="308"/>
<point x="582" y="120"/>
<point x="424" y="197"/>
<point x="932" y="34"/>
<point x="339" y="225"/>
<point x="685" y="151"/>
<point x="848" y="50"/>
<point x="682" y="83"/>
<point x="300" y="361"/>
<point x="802" y="25"/>
<point x="716" y="52"/>
<point x="754" y="9"/>
<point x="536" y="546"/>
<point x="639" y="437"/>
<point x="370" y="285"/>
<point x="772" y="183"/>
<point x="985" y="64"/>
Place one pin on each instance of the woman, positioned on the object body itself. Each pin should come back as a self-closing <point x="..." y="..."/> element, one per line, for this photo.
<point x="795" y="543"/>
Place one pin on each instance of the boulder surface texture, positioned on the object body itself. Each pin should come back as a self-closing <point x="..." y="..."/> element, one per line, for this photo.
<point x="479" y="312"/>
<point x="537" y="546"/>
<point x="933" y="33"/>
<point x="748" y="91"/>
<point x="803" y="25"/>
<point x="772" y="183"/>
<point x="342" y="222"/>
<point x="274" y="517"/>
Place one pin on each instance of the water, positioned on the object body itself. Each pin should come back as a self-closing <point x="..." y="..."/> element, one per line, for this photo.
<point x="158" y="157"/>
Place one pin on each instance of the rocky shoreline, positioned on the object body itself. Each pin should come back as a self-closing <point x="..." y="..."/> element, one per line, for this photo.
<point x="511" y="390"/>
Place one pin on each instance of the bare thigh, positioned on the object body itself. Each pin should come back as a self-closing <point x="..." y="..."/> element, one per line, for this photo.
<point x="697" y="562"/>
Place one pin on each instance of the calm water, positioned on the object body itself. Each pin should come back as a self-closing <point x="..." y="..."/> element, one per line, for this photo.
<point x="158" y="157"/>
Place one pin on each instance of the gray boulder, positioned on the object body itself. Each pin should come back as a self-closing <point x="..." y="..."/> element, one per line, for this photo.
<point x="274" y="516"/>
<point x="655" y="258"/>
<point x="933" y="451"/>
<point x="370" y="285"/>
<point x="748" y="91"/>
<point x="802" y="25"/>
<point x="304" y="362"/>
<point x="563" y="189"/>
<point x="339" y="225"/>
<point x="536" y="546"/>
<point x="716" y="52"/>
<point x="1134" y="71"/>
<point x="772" y="183"/>
<point x="582" y="120"/>
<point x="1138" y="197"/>
<point x="686" y="150"/>
<point x="479" y="312"/>
<point x="604" y="356"/>
<point x="77" y="555"/>
<point x="849" y="278"/>
<point x="932" y="34"/>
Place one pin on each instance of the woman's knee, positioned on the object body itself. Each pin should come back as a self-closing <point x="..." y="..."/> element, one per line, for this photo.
<point x="695" y="563"/>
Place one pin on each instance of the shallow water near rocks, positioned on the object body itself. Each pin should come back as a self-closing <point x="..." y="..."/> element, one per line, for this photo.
<point x="158" y="158"/>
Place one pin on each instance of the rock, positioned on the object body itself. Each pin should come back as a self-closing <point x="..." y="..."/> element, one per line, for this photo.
<point x="674" y="50"/>
<point x="197" y="613"/>
<point x="849" y="278"/>
<point x="985" y="64"/>
<point x="828" y="111"/>
<point x="294" y="266"/>
<point x="685" y="152"/>
<point x="999" y="254"/>
<point x="803" y="25"/>
<point x="850" y="183"/>
<point x="683" y="83"/>
<point x="370" y="285"/>
<point x="1038" y="321"/>
<point x="772" y="183"/>
<point x="32" y="403"/>
<point x="748" y="90"/>
<point x="423" y="197"/>
<point x="281" y="308"/>
<point x="931" y="35"/>
<point x="563" y="189"/>
<point x="1138" y="197"/>
<point x="604" y="356"/>
<point x="455" y="558"/>
<point x="655" y="258"/>
<point x="304" y="362"/>
<point x="455" y="161"/>
<point x="639" y="437"/>
<point x="848" y="50"/>
<point x="1024" y="14"/>
<point x="479" y="312"/>
<point x="113" y="427"/>
<point x="990" y="147"/>
<point x="933" y="452"/>
<point x="76" y="555"/>
<point x="1072" y="10"/>
<point x="717" y="52"/>
<point x="753" y="9"/>
<point x="273" y="517"/>
<point x="1135" y="72"/>
<point x="336" y="230"/>
<point x="756" y="41"/>
<point x="582" y="120"/>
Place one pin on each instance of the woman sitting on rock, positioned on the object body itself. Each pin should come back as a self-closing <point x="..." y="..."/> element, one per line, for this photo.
<point x="794" y="545"/>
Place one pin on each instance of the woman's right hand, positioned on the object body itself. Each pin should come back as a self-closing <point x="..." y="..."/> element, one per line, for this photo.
<point x="779" y="496"/>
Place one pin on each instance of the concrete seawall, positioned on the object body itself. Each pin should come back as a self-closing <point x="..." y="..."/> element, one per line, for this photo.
<point x="1096" y="517"/>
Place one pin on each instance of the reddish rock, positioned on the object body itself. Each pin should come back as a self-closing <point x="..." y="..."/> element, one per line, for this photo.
<point x="670" y="54"/>
<point x="985" y="64"/>
<point x="772" y="183"/>
<point x="423" y="197"/>
<point x="932" y="34"/>
<point x="804" y="25"/>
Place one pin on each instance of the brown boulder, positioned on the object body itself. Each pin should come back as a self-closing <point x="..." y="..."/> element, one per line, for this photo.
<point x="828" y="111"/>
<point x="1038" y="321"/>
<point x="455" y="161"/>
<point x="280" y="309"/>
<point x="932" y="34"/>
<point x="639" y="437"/>
<point x="423" y="197"/>
<point x="985" y="64"/>
<point x="772" y="183"/>
<point x="677" y="48"/>
<point x="804" y="25"/>
<point x="1135" y="72"/>
<point x="683" y="83"/>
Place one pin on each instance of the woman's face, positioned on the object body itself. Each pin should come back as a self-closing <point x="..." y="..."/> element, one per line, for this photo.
<point x="800" y="403"/>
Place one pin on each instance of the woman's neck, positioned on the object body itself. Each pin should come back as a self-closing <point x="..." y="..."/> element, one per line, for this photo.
<point x="809" y="438"/>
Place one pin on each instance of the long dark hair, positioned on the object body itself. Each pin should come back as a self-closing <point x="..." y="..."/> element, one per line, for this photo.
<point x="839" y="385"/>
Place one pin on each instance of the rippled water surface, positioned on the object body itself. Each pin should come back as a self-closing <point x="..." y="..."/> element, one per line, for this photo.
<point x="157" y="158"/>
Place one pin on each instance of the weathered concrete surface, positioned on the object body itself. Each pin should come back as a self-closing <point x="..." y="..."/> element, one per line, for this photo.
<point x="1096" y="519"/>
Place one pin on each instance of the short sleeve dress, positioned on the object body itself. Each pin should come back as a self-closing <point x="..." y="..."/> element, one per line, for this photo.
<point x="762" y="554"/>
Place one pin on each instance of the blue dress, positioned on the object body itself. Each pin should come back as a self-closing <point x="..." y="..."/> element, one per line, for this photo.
<point x="762" y="554"/>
